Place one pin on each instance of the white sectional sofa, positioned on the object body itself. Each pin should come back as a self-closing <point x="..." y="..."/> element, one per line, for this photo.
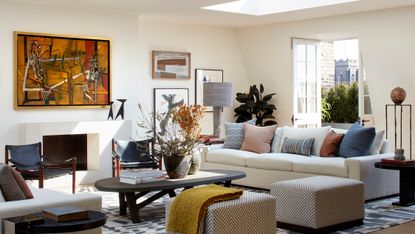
<point x="264" y="169"/>
<point x="45" y="198"/>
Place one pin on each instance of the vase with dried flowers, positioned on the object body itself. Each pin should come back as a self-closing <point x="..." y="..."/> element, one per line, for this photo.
<point x="177" y="136"/>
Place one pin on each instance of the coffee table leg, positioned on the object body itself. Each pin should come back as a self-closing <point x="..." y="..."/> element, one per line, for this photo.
<point x="123" y="204"/>
<point x="228" y="183"/>
<point x="132" y="207"/>
<point x="172" y="193"/>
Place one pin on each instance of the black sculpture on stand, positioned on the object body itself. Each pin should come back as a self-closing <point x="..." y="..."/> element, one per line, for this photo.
<point x="121" y="110"/>
<point x="110" y="113"/>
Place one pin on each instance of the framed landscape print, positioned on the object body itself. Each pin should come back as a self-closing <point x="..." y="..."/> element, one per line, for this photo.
<point x="61" y="71"/>
<point x="171" y="65"/>
<point x="165" y="100"/>
<point x="202" y="76"/>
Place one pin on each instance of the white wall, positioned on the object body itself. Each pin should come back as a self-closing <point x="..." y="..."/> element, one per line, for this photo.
<point x="132" y="42"/>
<point x="386" y="40"/>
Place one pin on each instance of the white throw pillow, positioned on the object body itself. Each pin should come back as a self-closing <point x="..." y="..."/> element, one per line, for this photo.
<point x="303" y="133"/>
<point x="1" y="197"/>
<point x="377" y="143"/>
<point x="276" y="141"/>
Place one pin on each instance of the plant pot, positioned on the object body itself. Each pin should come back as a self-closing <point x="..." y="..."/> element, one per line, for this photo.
<point x="195" y="164"/>
<point x="177" y="166"/>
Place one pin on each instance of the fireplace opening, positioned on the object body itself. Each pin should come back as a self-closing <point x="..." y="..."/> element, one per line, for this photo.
<point x="62" y="147"/>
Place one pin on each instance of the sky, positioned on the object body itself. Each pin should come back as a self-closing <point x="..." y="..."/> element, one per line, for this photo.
<point x="346" y="49"/>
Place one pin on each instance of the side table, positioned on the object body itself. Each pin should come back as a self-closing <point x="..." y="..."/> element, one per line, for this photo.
<point x="406" y="182"/>
<point x="95" y="219"/>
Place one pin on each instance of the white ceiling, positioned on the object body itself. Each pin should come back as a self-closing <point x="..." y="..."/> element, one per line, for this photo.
<point x="189" y="11"/>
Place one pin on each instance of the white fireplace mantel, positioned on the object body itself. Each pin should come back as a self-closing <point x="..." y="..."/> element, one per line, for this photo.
<point x="99" y="137"/>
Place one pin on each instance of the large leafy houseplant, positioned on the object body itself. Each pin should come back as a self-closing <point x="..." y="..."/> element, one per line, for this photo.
<point x="255" y="104"/>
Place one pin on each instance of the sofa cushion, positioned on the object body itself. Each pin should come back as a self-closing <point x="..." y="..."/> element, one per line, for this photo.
<point x="377" y="142"/>
<point x="22" y="184"/>
<point x="357" y="141"/>
<point x="331" y="144"/>
<point x="303" y="133"/>
<point x="8" y="185"/>
<point x="334" y="166"/>
<point x="234" y="134"/>
<point x="276" y="141"/>
<point x="297" y="146"/>
<point x="258" y="139"/>
<point x="230" y="157"/>
<point x="272" y="161"/>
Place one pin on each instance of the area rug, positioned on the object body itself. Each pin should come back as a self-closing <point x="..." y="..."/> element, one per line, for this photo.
<point x="379" y="215"/>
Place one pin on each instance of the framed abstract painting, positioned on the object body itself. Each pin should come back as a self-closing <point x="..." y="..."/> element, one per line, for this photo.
<point x="61" y="71"/>
<point x="171" y="65"/>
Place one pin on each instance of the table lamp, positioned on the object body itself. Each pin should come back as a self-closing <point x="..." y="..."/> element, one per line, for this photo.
<point x="217" y="95"/>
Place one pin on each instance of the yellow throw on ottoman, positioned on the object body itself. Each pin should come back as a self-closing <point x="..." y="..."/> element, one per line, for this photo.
<point x="250" y="213"/>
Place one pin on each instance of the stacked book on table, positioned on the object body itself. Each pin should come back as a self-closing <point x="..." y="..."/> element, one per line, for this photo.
<point x="398" y="162"/>
<point x="139" y="177"/>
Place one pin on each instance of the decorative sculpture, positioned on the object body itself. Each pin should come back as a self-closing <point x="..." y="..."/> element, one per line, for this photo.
<point x="121" y="110"/>
<point x="110" y="113"/>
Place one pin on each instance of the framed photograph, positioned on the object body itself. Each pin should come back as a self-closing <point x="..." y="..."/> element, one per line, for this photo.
<point x="166" y="99"/>
<point x="202" y="76"/>
<point x="171" y="65"/>
<point x="61" y="71"/>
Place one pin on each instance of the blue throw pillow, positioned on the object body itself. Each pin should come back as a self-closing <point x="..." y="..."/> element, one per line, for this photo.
<point x="357" y="141"/>
<point x="234" y="134"/>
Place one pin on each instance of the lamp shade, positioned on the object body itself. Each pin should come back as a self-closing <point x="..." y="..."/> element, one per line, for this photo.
<point x="217" y="94"/>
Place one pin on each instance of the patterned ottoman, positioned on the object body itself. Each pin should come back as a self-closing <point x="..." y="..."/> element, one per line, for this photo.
<point x="251" y="213"/>
<point x="319" y="204"/>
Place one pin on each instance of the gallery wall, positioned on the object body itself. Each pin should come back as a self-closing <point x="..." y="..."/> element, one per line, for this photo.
<point x="386" y="44"/>
<point x="132" y="42"/>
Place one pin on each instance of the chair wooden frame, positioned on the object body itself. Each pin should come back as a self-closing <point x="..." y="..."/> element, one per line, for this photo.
<point x="44" y="163"/>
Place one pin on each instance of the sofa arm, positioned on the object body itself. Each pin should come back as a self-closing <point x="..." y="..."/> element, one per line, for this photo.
<point x="378" y="182"/>
<point x="206" y="148"/>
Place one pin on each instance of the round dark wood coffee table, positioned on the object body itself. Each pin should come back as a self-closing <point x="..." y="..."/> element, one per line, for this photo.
<point x="406" y="182"/>
<point x="129" y="193"/>
<point x="95" y="219"/>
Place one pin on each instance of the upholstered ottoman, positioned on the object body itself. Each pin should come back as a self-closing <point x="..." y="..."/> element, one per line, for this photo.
<point x="251" y="213"/>
<point x="318" y="204"/>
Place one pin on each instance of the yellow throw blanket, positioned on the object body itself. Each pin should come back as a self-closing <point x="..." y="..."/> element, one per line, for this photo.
<point x="189" y="208"/>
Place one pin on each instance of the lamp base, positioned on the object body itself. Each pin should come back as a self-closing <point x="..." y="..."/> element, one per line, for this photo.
<point x="217" y="120"/>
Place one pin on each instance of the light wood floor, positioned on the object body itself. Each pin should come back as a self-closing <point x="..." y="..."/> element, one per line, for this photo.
<point x="405" y="228"/>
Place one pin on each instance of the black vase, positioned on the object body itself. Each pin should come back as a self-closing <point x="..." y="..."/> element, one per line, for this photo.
<point x="177" y="166"/>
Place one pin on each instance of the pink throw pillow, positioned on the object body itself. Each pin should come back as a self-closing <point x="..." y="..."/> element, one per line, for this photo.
<point x="258" y="139"/>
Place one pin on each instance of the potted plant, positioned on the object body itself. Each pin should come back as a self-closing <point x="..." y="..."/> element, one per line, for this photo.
<point x="255" y="104"/>
<point x="177" y="139"/>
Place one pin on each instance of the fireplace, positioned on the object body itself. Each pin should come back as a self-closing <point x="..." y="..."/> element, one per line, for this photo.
<point x="62" y="147"/>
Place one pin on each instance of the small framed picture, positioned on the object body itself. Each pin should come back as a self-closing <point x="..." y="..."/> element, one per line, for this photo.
<point x="171" y="65"/>
<point x="202" y="76"/>
<point x="165" y="100"/>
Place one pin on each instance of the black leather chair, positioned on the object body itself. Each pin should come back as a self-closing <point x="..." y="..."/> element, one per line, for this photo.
<point x="132" y="155"/>
<point x="32" y="165"/>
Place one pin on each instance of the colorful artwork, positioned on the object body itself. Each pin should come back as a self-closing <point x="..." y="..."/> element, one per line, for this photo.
<point x="54" y="70"/>
<point x="171" y="65"/>
<point x="165" y="100"/>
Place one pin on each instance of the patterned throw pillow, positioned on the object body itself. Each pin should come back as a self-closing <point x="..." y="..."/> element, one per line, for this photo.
<point x="297" y="146"/>
<point x="234" y="134"/>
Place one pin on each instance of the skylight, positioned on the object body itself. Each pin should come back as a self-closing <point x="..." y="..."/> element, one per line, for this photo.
<point x="266" y="7"/>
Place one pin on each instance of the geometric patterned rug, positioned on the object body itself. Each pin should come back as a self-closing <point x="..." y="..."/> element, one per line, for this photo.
<point x="379" y="215"/>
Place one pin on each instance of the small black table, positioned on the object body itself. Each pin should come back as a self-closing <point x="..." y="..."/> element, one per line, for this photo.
<point x="406" y="182"/>
<point x="129" y="193"/>
<point x="95" y="219"/>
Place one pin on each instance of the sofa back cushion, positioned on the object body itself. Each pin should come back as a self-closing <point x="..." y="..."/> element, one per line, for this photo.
<point x="234" y="134"/>
<point x="357" y="141"/>
<point x="377" y="143"/>
<point x="297" y="146"/>
<point x="304" y="133"/>
<point x="331" y="144"/>
<point x="258" y="139"/>
<point x="276" y="141"/>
